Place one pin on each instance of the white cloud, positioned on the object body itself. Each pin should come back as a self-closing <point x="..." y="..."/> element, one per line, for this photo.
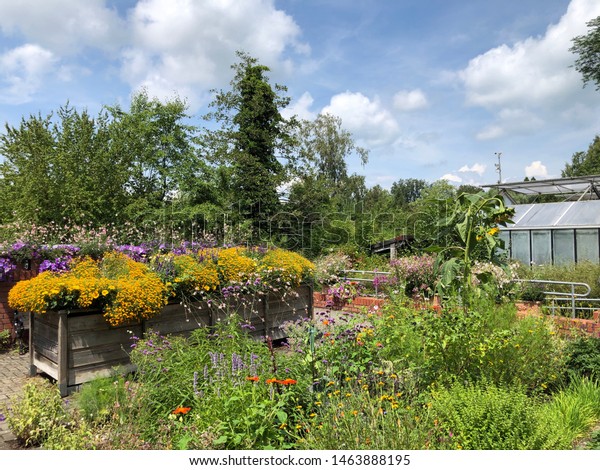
<point x="300" y="108"/>
<point x="22" y="71"/>
<point x="63" y="26"/>
<point x="536" y="169"/>
<point x="185" y="46"/>
<point x="476" y="168"/>
<point x="410" y="100"/>
<point x="532" y="80"/>
<point x="451" y="178"/>
<point x="367" y="119"/>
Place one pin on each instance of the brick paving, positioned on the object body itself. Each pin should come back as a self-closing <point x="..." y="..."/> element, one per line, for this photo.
<point x="14" y="372"/>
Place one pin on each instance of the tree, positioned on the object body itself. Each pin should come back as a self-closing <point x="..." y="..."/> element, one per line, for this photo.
<point x="324" y="146"/>
<point x="59" y="167"/>
<point x="252" y="139"/>
<point x="405" y="191"/>
<point x="588" y="49"/>
<point x="584" y="163"/>
<point x="158" y="145"/>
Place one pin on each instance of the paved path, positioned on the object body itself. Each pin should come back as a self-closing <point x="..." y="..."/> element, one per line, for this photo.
<point x="14" y="372"/>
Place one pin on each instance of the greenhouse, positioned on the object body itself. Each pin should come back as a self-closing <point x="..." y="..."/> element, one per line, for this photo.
<point x="554" y="232"/>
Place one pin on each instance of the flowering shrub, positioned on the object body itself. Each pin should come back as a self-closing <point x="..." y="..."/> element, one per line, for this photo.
<point x="344" y="291"/>
<point x="184" y="275"/>
<point x="286" y="266"/>
<point x="129" y="290"/>
<point x="235" y="265"/>
<point x="417" y="272"/>
<point x="330" y="269"/>
<point x="125" y="289"/>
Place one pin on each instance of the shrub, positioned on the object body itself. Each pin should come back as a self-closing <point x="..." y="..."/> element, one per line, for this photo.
<point x="417" y="272"/>
<point x="485" y="342"/>
<point x="486" y="417"/>
<point x="330" y="268"/>
<point x="32" y="416"/>
<point x="5" y="340"/>
<point x="583" y="356"/>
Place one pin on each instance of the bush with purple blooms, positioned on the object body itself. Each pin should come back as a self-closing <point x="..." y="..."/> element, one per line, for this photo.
<point x="417" y="273"/>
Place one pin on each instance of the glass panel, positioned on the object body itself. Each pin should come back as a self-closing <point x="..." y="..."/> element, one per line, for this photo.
<point x="519" y="246"/>
<point x="583" y="214"/>
<point x="564" y="246"/>
<point x="540" y="247"/>
<point x="587" y="244"/>
<point x="505" y="237"/>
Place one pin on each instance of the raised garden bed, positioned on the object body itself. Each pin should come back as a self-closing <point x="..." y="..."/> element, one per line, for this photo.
<point x="74" y="347"/>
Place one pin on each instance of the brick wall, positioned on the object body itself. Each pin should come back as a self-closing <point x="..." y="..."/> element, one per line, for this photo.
<point x="6" y="313"/>
<point x="565" y="325"/>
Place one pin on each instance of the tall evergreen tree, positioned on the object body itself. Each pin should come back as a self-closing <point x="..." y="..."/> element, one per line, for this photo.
<point x="252" y="139"/>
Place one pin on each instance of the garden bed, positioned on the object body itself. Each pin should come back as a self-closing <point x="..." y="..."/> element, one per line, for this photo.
<point x="74" y="347"/>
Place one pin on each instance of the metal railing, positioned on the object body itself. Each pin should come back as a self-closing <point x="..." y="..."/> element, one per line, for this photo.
<point x="572" y="300"/>
<point x="364" y="279"/>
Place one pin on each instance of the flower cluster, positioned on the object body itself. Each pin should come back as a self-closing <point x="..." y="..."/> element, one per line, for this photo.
<point x="330" y="268"/>
<point x="235" y="265"/>
<point x="185" y="275"/>
<point x="6" y="267"/>
<point x="417" y="272"/>
<point x="285" y="267"/>
<point x="344" y="291"/>
<point x="126" y="290"/>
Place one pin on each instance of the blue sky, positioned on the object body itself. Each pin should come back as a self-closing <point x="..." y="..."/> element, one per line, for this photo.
<point x="433" y="88"/>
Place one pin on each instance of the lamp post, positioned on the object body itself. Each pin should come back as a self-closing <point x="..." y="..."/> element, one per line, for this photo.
<point x="498" y="167"/>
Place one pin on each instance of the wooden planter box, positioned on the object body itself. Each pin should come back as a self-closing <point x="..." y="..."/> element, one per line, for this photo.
<point x="74" y="347"/>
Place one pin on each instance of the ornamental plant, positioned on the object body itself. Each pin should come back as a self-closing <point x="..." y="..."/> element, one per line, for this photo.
<point x="416" y="272"/>
<point x="472" y="229"/>
<point x="124" y="289"/>
<point x="285" y="267"/>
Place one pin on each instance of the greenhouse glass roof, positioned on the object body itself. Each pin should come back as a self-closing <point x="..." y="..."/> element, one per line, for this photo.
<point x="577" y="214"/>
<point x="581" y="185"/>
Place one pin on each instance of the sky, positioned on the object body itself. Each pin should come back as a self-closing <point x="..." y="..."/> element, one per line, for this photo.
<point x="434" y="89"/>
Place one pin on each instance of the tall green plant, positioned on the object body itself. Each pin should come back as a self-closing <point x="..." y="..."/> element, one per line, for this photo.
<point x="472" y="228"/>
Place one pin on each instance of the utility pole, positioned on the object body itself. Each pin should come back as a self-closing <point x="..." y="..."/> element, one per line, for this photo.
<point x="498" y="167"/>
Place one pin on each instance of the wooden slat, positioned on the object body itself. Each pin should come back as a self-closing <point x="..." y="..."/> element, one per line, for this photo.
<point x="79" y="376"/>
<point x="98" y="356"/>
<point x="45" y="365"/>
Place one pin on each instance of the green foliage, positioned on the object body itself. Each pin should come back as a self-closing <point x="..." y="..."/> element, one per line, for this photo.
<point x="33" y="416"/>
<point x="486" y="342"/>
<point x="585" y="271"/>
<point x="583" y="357"/>
<point x="587" y="47"/>
<point x="472" y="229"/>
<point x="574" y="410"/>
<point x="97" y="399"/>
<point x="488" y="417"/>
<point x="584" y="163"/>
<point x="531" y="292"/>
<point x="5" y="340"/>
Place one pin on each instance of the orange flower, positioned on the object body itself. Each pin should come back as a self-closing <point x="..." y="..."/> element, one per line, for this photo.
<point x="253" y="378"/>
<point x="327" y="334"/>
<point x="181" y="410"/>
<point x="272" y="381"/>
<point x="288" y="382"/>
<point x="325" y="322"/>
